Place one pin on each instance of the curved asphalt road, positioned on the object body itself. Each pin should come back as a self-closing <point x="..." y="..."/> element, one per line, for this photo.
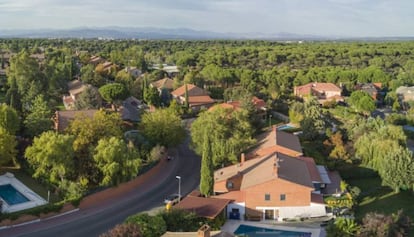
<point x="93" y="222"/>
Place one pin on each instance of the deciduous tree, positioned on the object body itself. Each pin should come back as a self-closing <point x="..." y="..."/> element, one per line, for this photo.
<point x="51" y="156"/>
<point x="9" y="119"/>
<point x="116" y="161"/>
<point x="113" y="93"/>
<point x="39" y="119"/>
<point x="8" y="145"/>
<point x="163" y="127"/>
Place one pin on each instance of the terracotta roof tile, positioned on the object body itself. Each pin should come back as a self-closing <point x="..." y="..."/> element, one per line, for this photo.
<point x="164" y="83"/>
<point x="317" y="86"/>
<point x="203" y="207"/>
<point x="313" y="170"/>
<point x="193" y="90"/>
<point x="65" y="117"/>
<point x="236" y="196"/>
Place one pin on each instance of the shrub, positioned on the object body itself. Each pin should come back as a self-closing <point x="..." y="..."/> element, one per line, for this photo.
<point x="131" y="230"/>
<point x="180" y="220"/>
<point x="151" y="226"/>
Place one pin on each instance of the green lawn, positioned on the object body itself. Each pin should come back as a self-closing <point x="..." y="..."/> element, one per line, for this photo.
<point x="377" y="198"/>
<point x="31" y="183"/>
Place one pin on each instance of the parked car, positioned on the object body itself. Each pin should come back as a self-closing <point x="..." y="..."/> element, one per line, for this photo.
<point x="173" y="199"/>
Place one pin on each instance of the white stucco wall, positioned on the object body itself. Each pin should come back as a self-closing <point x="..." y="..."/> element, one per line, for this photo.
<point x="314" y="210"/>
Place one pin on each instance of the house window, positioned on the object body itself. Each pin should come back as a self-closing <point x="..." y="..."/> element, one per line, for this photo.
<point x="229" y="184"/>
<point x="267" y="197"/>
<point x="282" y="197"/>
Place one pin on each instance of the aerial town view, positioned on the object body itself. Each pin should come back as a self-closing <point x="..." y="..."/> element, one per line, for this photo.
<point x="207" y="118"/>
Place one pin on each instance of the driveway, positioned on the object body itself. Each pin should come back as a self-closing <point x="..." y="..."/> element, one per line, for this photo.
<point x="98" y="214"/>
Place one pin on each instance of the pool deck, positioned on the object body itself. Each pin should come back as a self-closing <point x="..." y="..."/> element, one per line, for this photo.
<point x="34" y="198"/>
<point x="313" y="228"/>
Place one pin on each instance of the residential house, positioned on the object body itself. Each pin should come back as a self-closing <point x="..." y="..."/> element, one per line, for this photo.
<point x="271" y="187"/>
<point x="277" y="141"/>
<point x="373" y="89"/>
<point x="133" y="71"/>
<point x="171" y="70"/>
<point x="259" y="105"/>
<point x="405" y="93"/>
<point x="165" y="83"/>
<point x="322" y="91"/>
<point x="197" y="97"/>
<point x="95" y="60"/>
<point x="76" y="87"/>
<point x="129" y="109"/>
<point x="62" y="119"/>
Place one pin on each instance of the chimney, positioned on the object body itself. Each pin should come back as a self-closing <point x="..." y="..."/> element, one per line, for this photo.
<point x="204" y="231"/>
<point x="242" y="159"/>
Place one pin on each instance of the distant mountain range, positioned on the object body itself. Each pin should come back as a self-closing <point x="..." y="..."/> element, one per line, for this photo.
<point x="165" y="33"/>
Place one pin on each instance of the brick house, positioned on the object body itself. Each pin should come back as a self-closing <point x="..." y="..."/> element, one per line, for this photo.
<point x="322" y="91"/>
<point x="271" y="187"/>
<point x="197" y="97"/>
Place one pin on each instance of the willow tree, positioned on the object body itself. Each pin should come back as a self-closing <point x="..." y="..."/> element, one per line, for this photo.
<point x="229" y="133"/>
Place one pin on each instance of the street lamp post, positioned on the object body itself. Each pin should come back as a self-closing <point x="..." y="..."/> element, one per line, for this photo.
<point x="179" y="187"/>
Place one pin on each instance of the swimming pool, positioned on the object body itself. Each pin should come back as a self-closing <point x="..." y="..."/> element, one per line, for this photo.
<point x="285" y="126"/>
<point x="11" y="196"/>
<point x="252" y="231"/>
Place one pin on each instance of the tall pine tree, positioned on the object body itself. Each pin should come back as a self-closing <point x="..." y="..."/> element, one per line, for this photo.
<point x="187" y="104"/>
<point x="207" y="172"/>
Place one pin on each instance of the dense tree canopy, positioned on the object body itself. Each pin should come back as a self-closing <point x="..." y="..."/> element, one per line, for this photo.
<point x="113" y="93"/>
<point x="362" y="102"/>
<point x="51" y="156"/>
<point x="229" y="133"/>
<point x="39" y="118"/>
<point x="163" y="127"/>
<point x="9" y="119"/>
<point x="116" y="161"/>
<point x="8" y="145"/>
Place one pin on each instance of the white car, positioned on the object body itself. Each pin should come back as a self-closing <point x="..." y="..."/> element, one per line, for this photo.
<point x="173" y="199"/>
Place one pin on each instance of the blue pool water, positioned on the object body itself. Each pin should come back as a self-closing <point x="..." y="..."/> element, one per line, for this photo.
<point x="9" y="194"/>
<point x="252" y="231"/>
<point x="284" y="127"/>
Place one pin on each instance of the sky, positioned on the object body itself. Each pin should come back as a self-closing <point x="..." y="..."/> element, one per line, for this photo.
<point x="347" y="18"/>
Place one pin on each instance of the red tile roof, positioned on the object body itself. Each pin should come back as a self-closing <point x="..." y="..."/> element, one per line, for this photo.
<point x="63" y="118"/>
<point x="193" y="90"/>
<point x="261" y="170"/>
<point x="166" y="83"/>
<point x="203" y="207"/>
<point x="314" y="173"/>
<point x="236" y="196"/>
<point x="236" y="105"/>
<point x="317" y="86"/>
